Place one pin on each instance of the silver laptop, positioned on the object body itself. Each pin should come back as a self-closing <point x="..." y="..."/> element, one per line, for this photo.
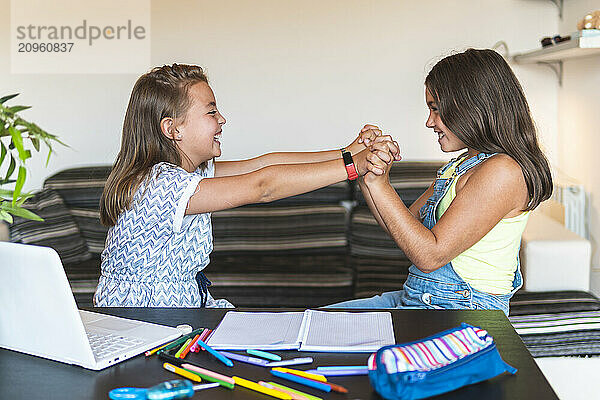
<point x="38" y="315"/>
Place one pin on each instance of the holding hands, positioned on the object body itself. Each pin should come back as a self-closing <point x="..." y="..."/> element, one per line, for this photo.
<point x="374" y="153"/>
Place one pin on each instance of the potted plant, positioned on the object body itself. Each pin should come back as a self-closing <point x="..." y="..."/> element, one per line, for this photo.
<point x="17" y="137"/>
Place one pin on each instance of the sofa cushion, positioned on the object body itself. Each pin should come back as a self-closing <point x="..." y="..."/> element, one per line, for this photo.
<point x="332" y="194"/>
<point x="409" y="178"/>
<point x="58" y="230"/>
<point x="285" y="280"/>
<point x="94" y="233"/>
<point x="281" y="255"/>
<point x="83" y="278"/>
<point x="80" y="187"/>
<point x="281" y="230"/>
<point x="380" y="265"/>
<point x="562" y="323"/>
<point x="527" y="303"/>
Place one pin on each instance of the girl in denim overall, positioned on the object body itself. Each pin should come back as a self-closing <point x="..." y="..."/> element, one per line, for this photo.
<point x="476" y="103"/>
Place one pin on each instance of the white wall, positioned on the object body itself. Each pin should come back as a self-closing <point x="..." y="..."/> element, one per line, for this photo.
<point x="579" y="125"/>
<point x="294" y="75"/>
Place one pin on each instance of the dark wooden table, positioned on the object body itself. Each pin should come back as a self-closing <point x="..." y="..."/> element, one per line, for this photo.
<point x="27" y="377"/>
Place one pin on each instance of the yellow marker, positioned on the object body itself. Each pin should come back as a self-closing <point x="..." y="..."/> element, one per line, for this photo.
<point x="183" y="347"/>
<point x="295" y="396"/>
<point x="182" y="372"/>
<point x="303" y="374"/>
<point x="308" y="396"/>
<point x="261" y="389"/>
<point x="150" y="352"/>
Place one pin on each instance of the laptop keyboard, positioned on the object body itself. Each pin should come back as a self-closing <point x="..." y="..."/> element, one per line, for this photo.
<point x="104" y="345"/>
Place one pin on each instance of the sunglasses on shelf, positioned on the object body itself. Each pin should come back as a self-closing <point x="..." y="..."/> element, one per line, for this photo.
<point x="549" y="41"/>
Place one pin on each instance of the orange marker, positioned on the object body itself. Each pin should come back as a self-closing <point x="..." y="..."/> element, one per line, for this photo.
<point x="187" y="348"/>
<point x="334" y="387"/>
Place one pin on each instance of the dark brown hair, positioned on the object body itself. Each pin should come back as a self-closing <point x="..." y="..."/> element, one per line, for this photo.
<point x="158" y="94"/>
<point x="481" y="101"/>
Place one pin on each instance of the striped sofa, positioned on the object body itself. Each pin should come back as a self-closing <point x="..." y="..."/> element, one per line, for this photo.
<point x="304" y="251"/>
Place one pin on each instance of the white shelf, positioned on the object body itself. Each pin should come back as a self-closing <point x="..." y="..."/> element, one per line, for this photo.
<point x="554" y="55"/>
<point x="574" y="48"/>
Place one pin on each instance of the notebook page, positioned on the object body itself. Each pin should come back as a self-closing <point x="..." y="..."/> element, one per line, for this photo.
<point x="258" y="330"/>
<point x="347" y="331"/>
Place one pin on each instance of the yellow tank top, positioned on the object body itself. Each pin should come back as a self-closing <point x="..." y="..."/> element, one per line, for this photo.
<point x="490" y="264"/>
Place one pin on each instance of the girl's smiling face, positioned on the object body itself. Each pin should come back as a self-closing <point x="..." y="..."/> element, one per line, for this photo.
<point x="448" y="141"/>
<point x="201" y="128"/>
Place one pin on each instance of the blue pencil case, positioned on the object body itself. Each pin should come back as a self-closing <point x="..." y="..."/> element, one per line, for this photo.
<point x="437" y="364"/>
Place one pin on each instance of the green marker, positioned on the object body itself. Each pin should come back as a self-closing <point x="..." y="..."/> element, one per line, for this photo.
<point x="183" y="347"/>
<point x="182" y="339"/>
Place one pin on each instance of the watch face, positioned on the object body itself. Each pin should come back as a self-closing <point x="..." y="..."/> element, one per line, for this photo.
<point x="347" y="158"/>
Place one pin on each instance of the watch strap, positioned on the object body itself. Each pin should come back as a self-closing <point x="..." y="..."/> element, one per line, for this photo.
<point x="349" y="164"/>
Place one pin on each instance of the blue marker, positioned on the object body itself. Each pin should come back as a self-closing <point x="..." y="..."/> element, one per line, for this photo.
<point x="215" y="353"/>
<point x="264" y="354"/>
<point x="302" y="381"/>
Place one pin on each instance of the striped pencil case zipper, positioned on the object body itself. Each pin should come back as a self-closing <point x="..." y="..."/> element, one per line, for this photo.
<point x="437" y="364"/>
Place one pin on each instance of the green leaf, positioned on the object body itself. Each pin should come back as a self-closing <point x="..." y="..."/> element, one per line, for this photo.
<point x="3" y="152"/>
<point x="17" y="140"/>
<point x="6" y="193"/>
<point x="20" y="212"/>
<point x="5" y="216"/>
<point x="23" y="199"/>
<point x="36" y="143"/>
<point x="19" y="185"/>
<point x="11" y="168"/>
<point x="16" y="109"/>
<point x="6" y="98"/>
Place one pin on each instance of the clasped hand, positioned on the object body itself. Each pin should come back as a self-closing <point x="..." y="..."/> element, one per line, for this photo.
<point x="375" y="153"/>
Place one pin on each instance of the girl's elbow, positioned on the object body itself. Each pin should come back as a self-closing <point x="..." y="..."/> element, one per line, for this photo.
<point x="264" y="187"/>
<point x="430" y="264"/>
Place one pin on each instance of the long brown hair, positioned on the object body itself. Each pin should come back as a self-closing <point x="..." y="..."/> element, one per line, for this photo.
<point x="158" y="94"/>
<point x="481" y="101"/>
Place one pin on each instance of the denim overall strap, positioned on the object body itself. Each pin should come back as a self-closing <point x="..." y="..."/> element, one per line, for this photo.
<point x="444" y="288"/>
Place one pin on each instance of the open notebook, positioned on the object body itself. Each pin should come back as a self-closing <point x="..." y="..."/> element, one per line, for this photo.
<point x="326" y="331"/>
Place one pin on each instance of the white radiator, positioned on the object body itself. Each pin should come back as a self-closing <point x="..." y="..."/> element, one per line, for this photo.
<point x="572" y="196"/>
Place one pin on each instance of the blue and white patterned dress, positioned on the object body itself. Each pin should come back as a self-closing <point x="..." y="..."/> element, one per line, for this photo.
<point x="154" y="250"/>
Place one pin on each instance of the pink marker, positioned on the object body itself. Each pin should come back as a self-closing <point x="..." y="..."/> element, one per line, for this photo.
<point x="204" y="338"/>
<point x="194" y="348"/>
<point x="209" y="373"/>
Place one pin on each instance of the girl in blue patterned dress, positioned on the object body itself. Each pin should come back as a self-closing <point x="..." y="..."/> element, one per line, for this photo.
<point x="165" y="183"/>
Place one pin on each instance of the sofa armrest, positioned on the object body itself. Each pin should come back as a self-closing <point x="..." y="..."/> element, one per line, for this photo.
<point x="4" y="236"/>
<point x="552" y="257"/>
